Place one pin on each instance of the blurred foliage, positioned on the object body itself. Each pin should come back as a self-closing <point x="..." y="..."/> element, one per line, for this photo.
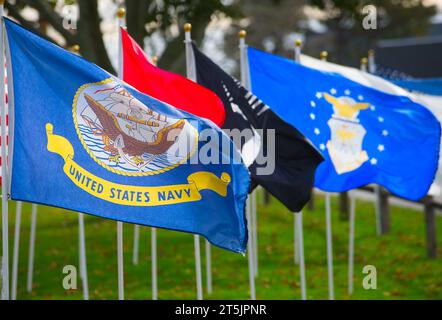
<point x="272" y="25"/>
<point x="395" y="19"/>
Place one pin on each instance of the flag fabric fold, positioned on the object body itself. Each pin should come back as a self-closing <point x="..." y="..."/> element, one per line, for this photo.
<point x="86" y="141"/>
<point x="294" y="158"/>
<point x="169" y="87"/>
<point x="366" y="135"/>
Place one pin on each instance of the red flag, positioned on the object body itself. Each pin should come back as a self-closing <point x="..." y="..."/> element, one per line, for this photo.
<point x="169" y="87"/>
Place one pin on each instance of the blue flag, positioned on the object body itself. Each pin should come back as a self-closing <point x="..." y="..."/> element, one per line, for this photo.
<point x="86" y="141"/>
<point x="365" y="135"/>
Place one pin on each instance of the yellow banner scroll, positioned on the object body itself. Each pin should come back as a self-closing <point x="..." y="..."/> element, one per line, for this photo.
<point x="133" y="195"/>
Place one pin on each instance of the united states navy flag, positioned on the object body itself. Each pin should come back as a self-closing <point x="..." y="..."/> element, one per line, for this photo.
<point x="365" y="135"/>
<point x="84" y="140"/>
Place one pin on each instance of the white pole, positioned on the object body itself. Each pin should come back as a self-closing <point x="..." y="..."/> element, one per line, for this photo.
<point x="351" y="244"/>
<point x="296" y="256"/>
<point x="136" y="244"/>
<point x="298" y="217"/>
<point x="153" y="244"/>
<point x="31" y="247"/>
<point x="250" y="245"/>
<point x="83" y="268"/>
<point x="255" y="232"/>
<point x="331" y="290"/>
<point x="5" y="185"/>
<point x="192" y="76"/>
<point x="16" y="250"/>
<point x="208" y="267"/>
<point x="121" y="14"/>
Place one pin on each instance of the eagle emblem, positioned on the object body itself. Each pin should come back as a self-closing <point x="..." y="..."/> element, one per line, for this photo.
<point x="347" y="134"/>
<point x="127" y="137"/>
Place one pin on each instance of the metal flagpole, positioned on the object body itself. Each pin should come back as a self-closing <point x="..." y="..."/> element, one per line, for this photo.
<point x="135" y="254"/>
<point x="331" y="290"/>
<point x="81" y="235"/>
<point x="16" y="250"/>
<point x="121" y="14"/>
<point x="192" y="76"/>
<point x="255" y="225"/>
<point x="351" y="243"/>
<point x="83" y="268"/>
<point x="299" y="237"/>
<point x="298" y="44"/>
<point x="250" y="251"/>
<point x="208" y="267"/>
<point x="31" y="247"/>
<point x="153" y="243"/>
<point x="5" y="185"/>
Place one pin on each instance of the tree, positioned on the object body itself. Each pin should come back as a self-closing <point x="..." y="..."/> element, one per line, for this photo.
<point x="144" y="18"/>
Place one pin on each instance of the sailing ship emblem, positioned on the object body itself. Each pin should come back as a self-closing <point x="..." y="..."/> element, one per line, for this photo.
<point x="347" y="134"/>
<point x="127" y="137"/>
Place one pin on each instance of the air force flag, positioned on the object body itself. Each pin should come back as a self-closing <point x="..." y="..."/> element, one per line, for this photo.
<point x="366" y="136"/>
<point x="86" y="141"/>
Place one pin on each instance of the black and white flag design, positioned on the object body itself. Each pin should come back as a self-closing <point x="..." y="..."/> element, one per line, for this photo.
<point x="278" y="156"/>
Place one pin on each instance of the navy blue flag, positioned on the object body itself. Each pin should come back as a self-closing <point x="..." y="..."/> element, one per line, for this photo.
<point x="365" y="135"/>
<point x="427" y="86"/>
<point x="86" y="141"/>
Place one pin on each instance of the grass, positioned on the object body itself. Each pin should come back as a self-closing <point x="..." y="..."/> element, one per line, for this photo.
<point x="403" y="270"/>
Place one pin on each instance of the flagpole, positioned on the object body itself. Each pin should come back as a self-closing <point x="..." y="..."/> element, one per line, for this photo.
<point x="5" y="236"/>
<point x="351" y="243"/>
<point x="255" y="223"/>
<point x="298" y="232"/>
<point x="81" y="235"/>
<point x="196" y="239"/>
<point x="135" y="255"/>
<point x="153" y="242"/>
<point x="250" y="251"/>
<point x="120" y="14"/>
<point x="31" y="247"/>
<point x="331" y="290"/>
<point x="16" y="250"/>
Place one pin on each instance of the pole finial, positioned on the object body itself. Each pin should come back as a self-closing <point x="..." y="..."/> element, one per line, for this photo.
<point x="187" y="27"/>
<point x="121" y="12"/>
<point x="323" y="55"/>
<point x="242" y="34"/>
<point x="371" y="53"/>
<point x="75" y="48"/>
<point x="298" y="42"/>
<point x="2" y="2"/>
<point x="364" y="61"/>
<point x="155" y="60"/>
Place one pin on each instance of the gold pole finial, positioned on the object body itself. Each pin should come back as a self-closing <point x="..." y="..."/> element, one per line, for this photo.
<point x="121" y="12"/>
<point x="242" y="34"/>
<point x="298" y="42"/>
<point x="187" y="27"/>
<point x="364" y="61"/>
<point x="75" y="48"/>
<point x="323" y="55"/>
<point x="154" y="60"/>
<point x="2" y="2"/>
<point x="371" y="53"/>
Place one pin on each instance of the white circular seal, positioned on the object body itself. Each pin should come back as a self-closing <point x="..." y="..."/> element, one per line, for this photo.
<point x="127" y="137"/>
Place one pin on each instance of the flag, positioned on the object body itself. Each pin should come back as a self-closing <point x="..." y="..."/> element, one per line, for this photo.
<point x="430" y="101"/>
<point x="427" y="86"/>
<point x="169" y="87"/>
<point x="86" y="141"/>
<point x="294" y="158"/>
<point x="365" y="135"/>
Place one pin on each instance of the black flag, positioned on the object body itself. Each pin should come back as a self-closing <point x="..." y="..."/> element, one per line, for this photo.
<point x="294" y="156"/>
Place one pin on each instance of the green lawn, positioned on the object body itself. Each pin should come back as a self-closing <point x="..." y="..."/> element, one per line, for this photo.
<point x="403" y="270"/>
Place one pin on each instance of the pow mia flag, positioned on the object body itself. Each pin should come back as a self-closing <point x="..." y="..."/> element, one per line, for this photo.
<point x="278" y="156"/>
